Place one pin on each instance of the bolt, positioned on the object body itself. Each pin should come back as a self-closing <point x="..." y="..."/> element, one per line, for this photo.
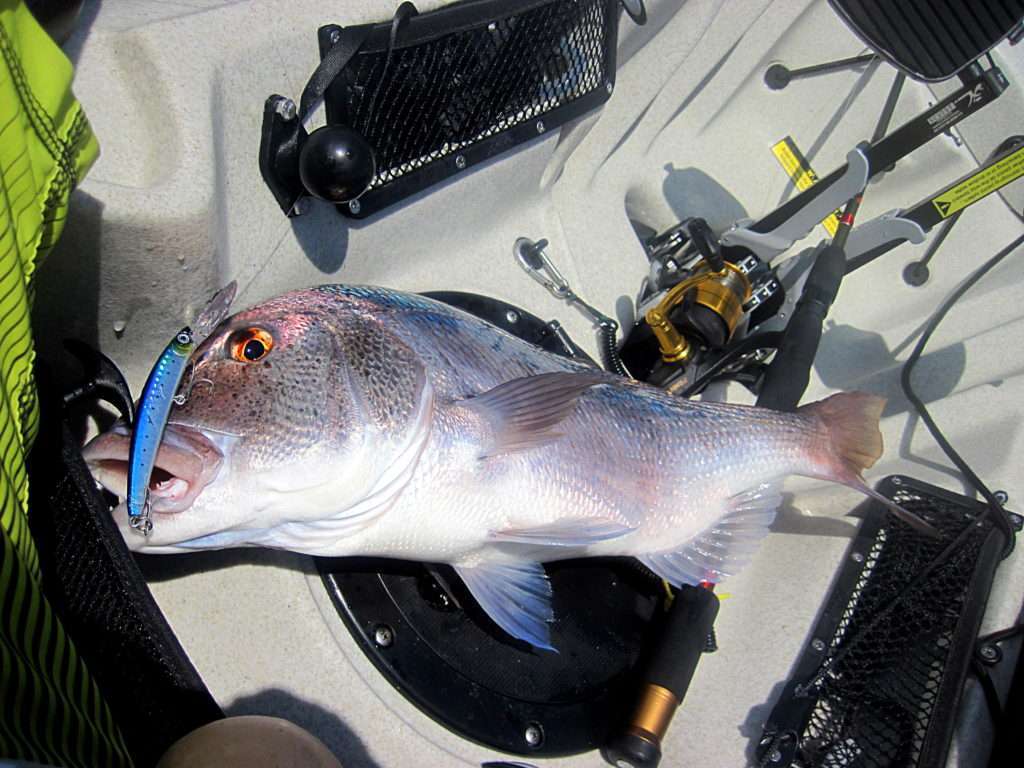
<point x="897" y="481"/>
<point x="460" y="161"/>
<point x="285" y="108"/>
<point x="989" y="654"/>
<point x="335" y="36"/>
<point x="857" y="557"/>
<point x="608" y="86"/>
<point x="384" y="636"/>
<point x="119" y="326"/>
<point x="540" y="126"/>
<point x="354" y="207"/>
<point x="1002" y="497"/>
<point x="534" y="735"/>
<point x="1016" y="520"/>
<point x="818" y="644"/>
<point x="775" y="756"/>
<point x="512" y="316"/>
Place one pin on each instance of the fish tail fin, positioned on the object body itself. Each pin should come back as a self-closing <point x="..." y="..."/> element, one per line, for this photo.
<point x="851" y="419"/>
<point x="855" y="444"/>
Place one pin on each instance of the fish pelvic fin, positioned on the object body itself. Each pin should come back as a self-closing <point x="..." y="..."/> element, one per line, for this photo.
<point x="516" y="596"/>
<point x="723" y="548"/>
<point x="855" y="444"/>
<point x="524" y="413"/>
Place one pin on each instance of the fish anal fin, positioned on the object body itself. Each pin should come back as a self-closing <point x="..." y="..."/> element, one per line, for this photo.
<point x="524" y="413"/>
<point x="567" y="532"/>
<point x="516" y="596"/>
<point x="724" y="547"/>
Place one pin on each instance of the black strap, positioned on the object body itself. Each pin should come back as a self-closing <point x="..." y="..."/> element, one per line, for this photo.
<point x="405" y="11"/>
<point x="348" y="44"/>
<point x="94" y="585"/>
<point x="331" y="65"/>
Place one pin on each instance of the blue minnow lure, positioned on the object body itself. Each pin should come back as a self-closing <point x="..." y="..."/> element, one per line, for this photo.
<point x="158" y="396"/>
<point x="150" y="420"/>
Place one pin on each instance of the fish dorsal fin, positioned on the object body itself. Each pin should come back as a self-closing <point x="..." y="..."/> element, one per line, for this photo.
<point x="723" y="548"/>
<point x="524" y="413"/>
<point x="566" y="532"/>
<point x="517" y="597"/>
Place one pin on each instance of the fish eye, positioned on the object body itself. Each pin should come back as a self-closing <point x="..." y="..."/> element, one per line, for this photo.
<point x="250" y="345"/>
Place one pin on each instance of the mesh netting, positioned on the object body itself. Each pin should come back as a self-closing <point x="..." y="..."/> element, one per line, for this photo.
<point x="881" y="672"/>
<point x="435" y="98"/>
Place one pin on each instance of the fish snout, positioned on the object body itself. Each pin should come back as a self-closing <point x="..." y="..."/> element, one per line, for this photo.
<point x="187" y="461"/>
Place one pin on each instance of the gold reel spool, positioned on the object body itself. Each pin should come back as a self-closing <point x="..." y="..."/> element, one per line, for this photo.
<point x="723" y="292"/>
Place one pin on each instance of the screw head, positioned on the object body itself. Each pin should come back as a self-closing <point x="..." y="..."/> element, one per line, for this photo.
<point x="384" y="636"/>
<point x="775" y="756"/>
<point x="354" y="206"/>
<point x="460" y="161"/>
<point x="286" y="109"/>
<point x="897" y="481"/>
<point x="818" y="644"/>
<point x="335" y="35"/>
<point x="533" y="735"/>
<point x="989" y="653"/>
<point x="1002" y="497"/>
<point x="857" y="557"/>
<point x="540" y="126"/>
<point x="608" y="86"/>
<point x="512" y="316"/>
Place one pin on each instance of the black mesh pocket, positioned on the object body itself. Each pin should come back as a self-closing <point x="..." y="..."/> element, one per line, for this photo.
<point x="878" y="683"/>
<point x="468" y="81"/>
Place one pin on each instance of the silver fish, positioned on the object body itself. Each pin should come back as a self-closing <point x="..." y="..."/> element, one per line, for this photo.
<point x="363" y="421"/>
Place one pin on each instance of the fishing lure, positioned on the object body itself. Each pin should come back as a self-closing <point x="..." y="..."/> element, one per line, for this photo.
<point x="159" y="394"/>
<point x="154" y="409"/>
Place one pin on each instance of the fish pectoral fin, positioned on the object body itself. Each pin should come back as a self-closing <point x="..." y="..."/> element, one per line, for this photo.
<point x="723" y="548"/>
<point x="567" y="532"/>
<point x="516" y="596"/>
<point x="524" y="413"/>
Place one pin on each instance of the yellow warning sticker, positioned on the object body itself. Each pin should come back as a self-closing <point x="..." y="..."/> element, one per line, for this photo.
<point x="802" y="175"/>
<point x="975" y="187"/>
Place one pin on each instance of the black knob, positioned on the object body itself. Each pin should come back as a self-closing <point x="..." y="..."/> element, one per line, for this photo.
<point x="336" y="164"/>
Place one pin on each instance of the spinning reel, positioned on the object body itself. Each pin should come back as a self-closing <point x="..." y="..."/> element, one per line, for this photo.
<point x="693" y="301"/>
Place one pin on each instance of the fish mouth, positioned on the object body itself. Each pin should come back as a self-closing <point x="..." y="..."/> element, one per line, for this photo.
<point x="186" y="462"/>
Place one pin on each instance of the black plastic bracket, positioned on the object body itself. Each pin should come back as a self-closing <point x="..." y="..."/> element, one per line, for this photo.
<point x="281" y="138"/>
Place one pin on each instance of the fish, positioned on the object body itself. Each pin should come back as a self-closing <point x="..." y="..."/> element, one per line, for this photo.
<point x="158" y="395"/>
<point x="356" y="420"/>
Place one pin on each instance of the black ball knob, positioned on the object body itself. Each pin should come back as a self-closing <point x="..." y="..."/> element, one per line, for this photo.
<point x="336" y="164"/>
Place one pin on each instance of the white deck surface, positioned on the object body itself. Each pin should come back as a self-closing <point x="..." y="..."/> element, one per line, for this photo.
<point x="176" y="206"/>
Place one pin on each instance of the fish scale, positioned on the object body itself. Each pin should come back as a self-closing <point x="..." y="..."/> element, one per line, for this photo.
<point x="387" y="424"/>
